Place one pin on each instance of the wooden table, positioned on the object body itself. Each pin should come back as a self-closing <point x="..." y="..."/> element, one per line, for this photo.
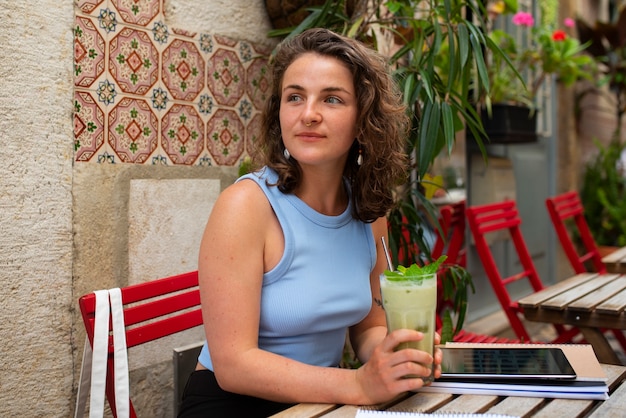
<point x="589" y="301"/>
<point x="516" y="406"/>
<point x="616" y="261"/>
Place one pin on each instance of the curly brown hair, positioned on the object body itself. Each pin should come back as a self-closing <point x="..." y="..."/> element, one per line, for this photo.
<point x="382" y="123"/>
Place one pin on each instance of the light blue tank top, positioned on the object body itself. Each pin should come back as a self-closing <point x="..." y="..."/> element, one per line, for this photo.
<point x="319" y="287"/>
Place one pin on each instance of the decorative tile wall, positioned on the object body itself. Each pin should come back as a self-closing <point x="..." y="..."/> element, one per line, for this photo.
<point x="149" y="94"/>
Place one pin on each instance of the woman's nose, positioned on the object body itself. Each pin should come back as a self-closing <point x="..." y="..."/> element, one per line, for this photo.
<point x="311" y="114"/>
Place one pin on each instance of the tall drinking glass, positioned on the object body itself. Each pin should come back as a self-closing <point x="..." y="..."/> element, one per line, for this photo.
<point x="410" y="302"/>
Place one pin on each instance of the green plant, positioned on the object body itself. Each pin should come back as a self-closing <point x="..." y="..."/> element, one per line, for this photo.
<point x="419" y="32"/>
<point x="545" y="51"/>
<point x="603" y="195"/>
<point x="437" y="52"/>
<point x="245" y="166"/>
<point x="603" y="191"/>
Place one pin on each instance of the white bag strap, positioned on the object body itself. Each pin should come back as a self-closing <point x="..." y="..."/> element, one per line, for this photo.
<point x="94" y="366"/>
<point x="99" y="357"/>
<point x="120" y="355"/>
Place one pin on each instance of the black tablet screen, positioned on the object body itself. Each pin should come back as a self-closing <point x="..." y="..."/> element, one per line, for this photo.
<point x="494" y="363"/>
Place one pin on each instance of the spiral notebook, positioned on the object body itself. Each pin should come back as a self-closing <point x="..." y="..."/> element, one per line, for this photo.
<point x="364" y="413"/>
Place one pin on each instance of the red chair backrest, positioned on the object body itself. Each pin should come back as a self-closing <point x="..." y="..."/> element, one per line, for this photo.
<point x="451" y="240"/>
<point x="152" y="310"/>
<point x="566" y="211"/>
<point x="495" y="217"/>
<point x="504" y="217"/>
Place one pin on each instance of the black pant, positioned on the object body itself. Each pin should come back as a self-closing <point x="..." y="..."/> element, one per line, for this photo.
<point x="204" y="398"/>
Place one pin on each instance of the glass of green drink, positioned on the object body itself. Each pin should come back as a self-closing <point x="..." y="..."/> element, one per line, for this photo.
<point x="410" y="301"/>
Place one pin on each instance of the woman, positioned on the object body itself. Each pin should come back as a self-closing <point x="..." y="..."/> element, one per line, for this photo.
<point x="288" y="250"/>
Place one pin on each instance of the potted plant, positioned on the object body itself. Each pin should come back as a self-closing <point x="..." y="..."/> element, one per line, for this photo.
<point x="603" y="191"/>
<point x="508" y="109"/>
<point x="416" y="34"/>
<point x="603" y="195"/>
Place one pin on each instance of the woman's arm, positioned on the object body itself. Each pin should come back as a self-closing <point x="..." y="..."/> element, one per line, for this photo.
<point x="368" y="333"/>
<point x="369" y="337"/>
<point x="242" y="240"/>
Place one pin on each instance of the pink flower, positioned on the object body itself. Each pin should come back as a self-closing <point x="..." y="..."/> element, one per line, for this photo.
<point x="569" y="22"/>
<point x="523" y="19"/>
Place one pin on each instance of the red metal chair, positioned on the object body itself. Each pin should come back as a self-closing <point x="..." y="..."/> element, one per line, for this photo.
<point x="152" y="310"/>
<point x="566" y="211"/>
<point x="501" y="218"/>
<point x="471" y="337"/>
<point x="451" y="242"/>
<point x="452" y="238"/>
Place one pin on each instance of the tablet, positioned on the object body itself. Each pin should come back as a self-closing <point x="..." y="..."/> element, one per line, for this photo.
<point x="505" y="363"/>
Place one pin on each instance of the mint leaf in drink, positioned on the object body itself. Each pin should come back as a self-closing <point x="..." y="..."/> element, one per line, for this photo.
<point x="415" y="270"/>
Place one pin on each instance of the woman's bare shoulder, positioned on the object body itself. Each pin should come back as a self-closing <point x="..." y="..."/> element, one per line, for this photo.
<point x="237" y="230"/>
<point x="242" y="199"/>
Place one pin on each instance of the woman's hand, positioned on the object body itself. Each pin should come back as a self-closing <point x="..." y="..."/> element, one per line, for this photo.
<point x="384" y="375"/>
<point x="438" y="357"/>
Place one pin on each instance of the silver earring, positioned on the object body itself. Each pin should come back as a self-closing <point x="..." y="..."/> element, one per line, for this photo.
<point x="359" y="159"/>
<point x="286" y="153"/>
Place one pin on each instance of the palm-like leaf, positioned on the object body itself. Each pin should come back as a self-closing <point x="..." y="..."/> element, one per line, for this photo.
<point x="439" y="62"/>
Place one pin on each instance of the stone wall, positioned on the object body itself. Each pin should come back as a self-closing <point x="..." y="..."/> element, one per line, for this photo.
<point x="69" y="226"/>
<point x="36" y="153"/>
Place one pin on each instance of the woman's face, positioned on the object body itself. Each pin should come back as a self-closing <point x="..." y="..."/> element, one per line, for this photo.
<point x="318" y="110"/>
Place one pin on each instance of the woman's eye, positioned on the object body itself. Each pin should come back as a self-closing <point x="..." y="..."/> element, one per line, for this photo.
<point x="293" y="98"/>
<point x="334" y="100"/>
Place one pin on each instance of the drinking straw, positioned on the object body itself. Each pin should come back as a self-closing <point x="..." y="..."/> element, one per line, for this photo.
<point x="389" y="263"/>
